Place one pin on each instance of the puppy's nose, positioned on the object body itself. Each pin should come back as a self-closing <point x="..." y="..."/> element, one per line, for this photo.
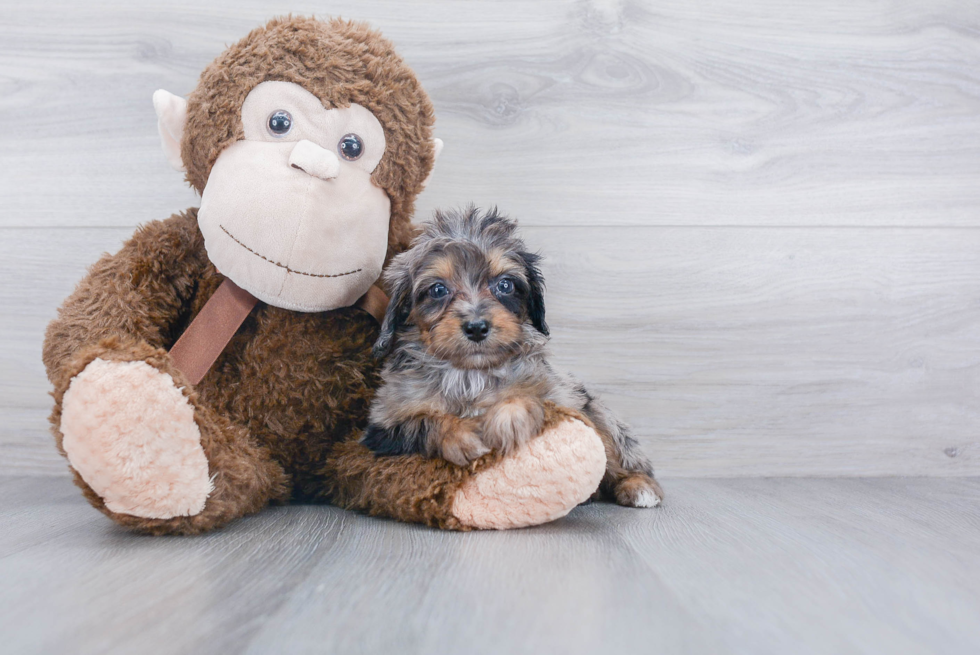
<point x="476" y="330"/>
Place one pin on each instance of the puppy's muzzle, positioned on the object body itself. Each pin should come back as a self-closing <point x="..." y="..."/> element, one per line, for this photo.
<point x="476" y="331"/>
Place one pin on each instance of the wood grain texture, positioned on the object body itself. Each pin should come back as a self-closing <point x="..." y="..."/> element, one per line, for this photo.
<point x="726" y="566"/>
<point x="761" y="219"/>
<point x="896" y="556"/>
<point x="568" y="111"/>
<point x="732" y="351"/>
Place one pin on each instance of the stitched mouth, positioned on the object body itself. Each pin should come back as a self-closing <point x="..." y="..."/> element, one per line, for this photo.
<point x="288" y="270"/>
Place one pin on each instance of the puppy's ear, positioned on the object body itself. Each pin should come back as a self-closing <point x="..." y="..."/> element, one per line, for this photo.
<point x="535" y="296"/>
<point x="399" y="308"/>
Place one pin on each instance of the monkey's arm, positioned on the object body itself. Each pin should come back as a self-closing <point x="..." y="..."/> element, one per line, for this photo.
<point x="128" y="300"/>
<point x="539" y="482"/>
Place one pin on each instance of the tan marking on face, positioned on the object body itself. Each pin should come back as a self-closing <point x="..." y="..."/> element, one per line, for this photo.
<point x="445" y="336"/>
<point x="506" y="328"/>
<point x="498" y="262"/>
<point x="442" y="267"/>
<point x="501" y="263"/>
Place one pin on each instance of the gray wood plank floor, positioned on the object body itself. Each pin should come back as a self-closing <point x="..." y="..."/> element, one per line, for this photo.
<point x="801" y="566"/>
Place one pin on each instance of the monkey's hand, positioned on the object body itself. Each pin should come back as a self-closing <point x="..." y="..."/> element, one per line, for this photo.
<point x="511" y="423"/>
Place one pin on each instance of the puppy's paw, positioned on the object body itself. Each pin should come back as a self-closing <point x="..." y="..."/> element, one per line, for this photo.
<point x="638" y="490"/>
<point x="509" y="424"/>
<point x="461" y="446"/>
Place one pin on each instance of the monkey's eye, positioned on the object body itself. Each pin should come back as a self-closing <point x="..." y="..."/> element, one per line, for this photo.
<point x="505" y="286"/>
<point x="280" y="122"/>
<point x="350" y="147"/>
<point x="438" y="290"/>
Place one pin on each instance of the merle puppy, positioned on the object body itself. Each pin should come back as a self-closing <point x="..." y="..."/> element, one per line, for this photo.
<point x="469" y="370"/>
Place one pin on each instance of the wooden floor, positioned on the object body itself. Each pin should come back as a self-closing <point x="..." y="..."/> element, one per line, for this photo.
<point x="726" y="566"/>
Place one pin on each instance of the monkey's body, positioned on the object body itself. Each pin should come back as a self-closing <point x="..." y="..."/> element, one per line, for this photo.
<point x="298" y="382"/>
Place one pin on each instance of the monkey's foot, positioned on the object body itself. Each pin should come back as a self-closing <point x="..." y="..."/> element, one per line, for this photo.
<point x="130" y="433"/>
<point x="540" y="481"/>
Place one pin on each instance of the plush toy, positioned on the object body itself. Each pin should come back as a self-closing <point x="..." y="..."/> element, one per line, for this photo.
<point x="221" y="360"/>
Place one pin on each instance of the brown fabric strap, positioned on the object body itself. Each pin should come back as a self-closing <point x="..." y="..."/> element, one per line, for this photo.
<point x="374" y="302"/>
<point x="211" y="330"/>
<point x="205" y="338"/>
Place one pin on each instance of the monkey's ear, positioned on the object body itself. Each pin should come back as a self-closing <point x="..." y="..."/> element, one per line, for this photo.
<point x="399" y="308"/>
<point x="535" y="296"/>
<point x="437" y="145"/>
<point x="171" y="115"/>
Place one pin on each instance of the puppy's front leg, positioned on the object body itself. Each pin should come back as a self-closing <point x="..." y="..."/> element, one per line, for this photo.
<point x="512" y="422"/>
<point x="431" y="433"/>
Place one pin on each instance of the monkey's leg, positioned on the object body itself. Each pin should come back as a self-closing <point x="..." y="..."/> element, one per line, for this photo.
<point x="149" y="454"/>
<point x="144" y="449"/>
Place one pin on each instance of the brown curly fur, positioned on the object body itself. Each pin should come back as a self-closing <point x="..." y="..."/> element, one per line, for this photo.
<point x="280" y="411"/>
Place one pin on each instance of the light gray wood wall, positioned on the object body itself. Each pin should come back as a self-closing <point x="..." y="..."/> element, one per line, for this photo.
<point x="760" y="218"/>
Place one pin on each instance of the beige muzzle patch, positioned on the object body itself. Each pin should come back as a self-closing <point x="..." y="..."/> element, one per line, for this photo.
<point x="291" y="218"/>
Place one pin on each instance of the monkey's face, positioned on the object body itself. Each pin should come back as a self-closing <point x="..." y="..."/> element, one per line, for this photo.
<point x="290" y="213"/>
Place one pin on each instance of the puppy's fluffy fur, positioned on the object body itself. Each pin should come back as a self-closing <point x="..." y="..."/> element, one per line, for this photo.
<point x="469" y="370"/>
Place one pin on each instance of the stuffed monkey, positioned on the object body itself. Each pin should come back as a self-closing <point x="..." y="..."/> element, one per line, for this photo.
<point x="308" y="142"/>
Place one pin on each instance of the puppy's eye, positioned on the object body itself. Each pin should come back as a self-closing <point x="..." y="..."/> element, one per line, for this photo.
<point x="505" y="286"/>
<point x="351" y="147"/>
<point x="438" y="290"/>
<point x="280" y="122"/>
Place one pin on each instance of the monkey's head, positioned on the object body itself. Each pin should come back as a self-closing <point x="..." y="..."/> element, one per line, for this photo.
<point x="308" y="142"/>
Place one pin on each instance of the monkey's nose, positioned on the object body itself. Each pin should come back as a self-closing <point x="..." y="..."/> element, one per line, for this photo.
<point x="476" y="330"/>
<point x="314" y="160"/>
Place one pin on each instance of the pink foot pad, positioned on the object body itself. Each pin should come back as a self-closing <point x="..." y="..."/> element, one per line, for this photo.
<point x="130" y="433"/>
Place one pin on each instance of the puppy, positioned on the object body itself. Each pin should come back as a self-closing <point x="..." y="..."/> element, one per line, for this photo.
<point x="469" y="370"/>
